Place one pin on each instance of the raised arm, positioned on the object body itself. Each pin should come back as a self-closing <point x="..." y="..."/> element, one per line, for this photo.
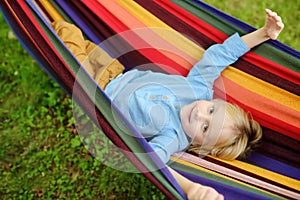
<point x="272" y="28"/>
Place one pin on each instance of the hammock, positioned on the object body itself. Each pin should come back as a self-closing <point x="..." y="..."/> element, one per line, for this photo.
<point x="264" y="82"/>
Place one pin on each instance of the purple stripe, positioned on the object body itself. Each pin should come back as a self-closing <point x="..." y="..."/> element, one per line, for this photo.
<point x="274" y="165"/>
<point x="79" y="22"/>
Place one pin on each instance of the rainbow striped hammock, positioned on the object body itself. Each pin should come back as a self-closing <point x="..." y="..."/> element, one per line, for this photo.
<point x="264" y="82"/>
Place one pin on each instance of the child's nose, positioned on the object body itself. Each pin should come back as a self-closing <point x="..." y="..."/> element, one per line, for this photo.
<point x="200" y="115"/>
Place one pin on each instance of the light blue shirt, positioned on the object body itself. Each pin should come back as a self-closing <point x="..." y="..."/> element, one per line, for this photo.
<point x="152" y="101"/>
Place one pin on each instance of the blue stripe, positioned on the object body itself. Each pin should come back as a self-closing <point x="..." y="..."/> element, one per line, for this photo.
<point x="273" y="165"/>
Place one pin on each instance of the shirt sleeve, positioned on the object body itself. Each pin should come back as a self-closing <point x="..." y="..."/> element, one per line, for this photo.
<point x="216" y="58"/>
<point x="164" y="145"/>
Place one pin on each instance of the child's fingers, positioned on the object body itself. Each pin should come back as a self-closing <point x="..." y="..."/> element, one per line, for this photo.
<point x="278" y="18"/>
<point x="272" y="14"/>
<point x="278" y="21"/>
<point x="267" y="10"/>
<point x="280" y="25"/>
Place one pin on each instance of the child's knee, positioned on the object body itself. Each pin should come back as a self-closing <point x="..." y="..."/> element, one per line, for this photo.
<point x="62" y="26"/>
<point x="68" y="33"/>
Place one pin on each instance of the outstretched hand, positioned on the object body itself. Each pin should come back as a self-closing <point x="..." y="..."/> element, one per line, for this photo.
<point x="273" y="25"/>
<point x="270" y="30"/>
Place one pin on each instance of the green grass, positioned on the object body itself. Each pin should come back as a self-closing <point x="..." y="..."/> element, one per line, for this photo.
<point x="41" y="155"/>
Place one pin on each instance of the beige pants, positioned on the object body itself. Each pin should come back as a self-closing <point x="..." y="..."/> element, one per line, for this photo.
<point x="94" y="59"/>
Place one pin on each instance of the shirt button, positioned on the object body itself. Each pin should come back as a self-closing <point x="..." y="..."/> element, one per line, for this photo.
<point x="176" y="106"/>
<point x="151" y="97"/>
<point x="165" y="97"/>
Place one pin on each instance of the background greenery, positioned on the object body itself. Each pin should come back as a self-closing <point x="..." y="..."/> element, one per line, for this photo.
<point x="40" y="152"/>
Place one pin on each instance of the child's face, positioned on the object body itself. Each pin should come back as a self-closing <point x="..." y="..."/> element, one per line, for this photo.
<point x="207" y="124"/>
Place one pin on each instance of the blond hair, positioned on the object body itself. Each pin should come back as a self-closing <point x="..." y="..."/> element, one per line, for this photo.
<point x="249" y="135"/>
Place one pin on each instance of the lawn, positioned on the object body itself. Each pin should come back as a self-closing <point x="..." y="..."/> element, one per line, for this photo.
<point x="41" y="155"/>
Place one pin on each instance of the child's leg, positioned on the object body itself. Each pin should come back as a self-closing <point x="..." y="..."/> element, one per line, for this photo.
<point x="111" y="67"/>
<point x="95" y="60"/>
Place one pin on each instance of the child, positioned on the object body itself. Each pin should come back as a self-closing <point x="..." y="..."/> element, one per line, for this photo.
<point x="172" y="111"/>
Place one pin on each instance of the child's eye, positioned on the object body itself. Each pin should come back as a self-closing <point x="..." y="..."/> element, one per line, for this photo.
<point x="211" y="110"/>
<point x="205" y="127"/>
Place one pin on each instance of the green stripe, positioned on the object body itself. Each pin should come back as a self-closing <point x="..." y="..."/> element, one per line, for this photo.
<point x="60" y="11"/>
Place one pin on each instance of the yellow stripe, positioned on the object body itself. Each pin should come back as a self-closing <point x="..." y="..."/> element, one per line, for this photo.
<point x="263" y="88"/>
<point x="177" y="39"/>
<point x="178" y="160"/>
<point x="51" y="10"/>
<point x="284" y="180"/>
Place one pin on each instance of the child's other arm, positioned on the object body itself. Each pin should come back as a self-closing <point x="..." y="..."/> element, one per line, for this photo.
<point x="195" y="190"/>
<point x="272" y="28"/>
